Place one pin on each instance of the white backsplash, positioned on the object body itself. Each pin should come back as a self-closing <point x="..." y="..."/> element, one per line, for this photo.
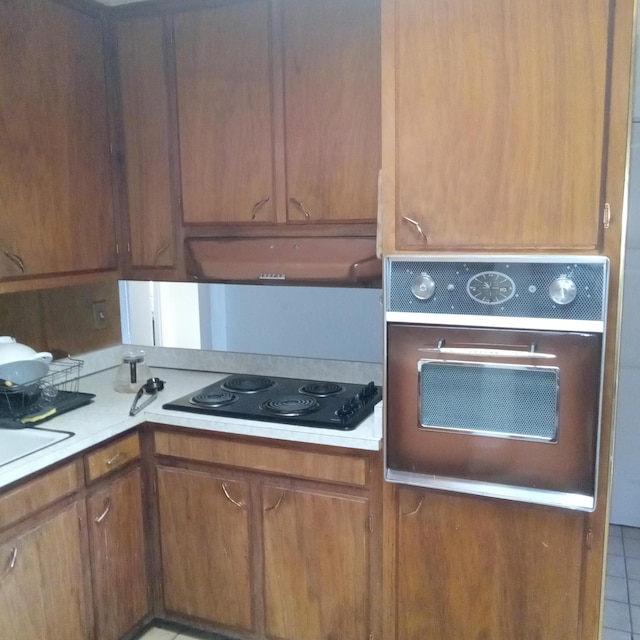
<point x="225" y="362"/>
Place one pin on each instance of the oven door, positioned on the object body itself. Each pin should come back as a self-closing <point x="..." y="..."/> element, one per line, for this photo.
<point x="508" y="413"/>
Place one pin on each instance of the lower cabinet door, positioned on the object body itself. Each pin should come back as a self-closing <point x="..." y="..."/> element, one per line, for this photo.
<point x="116" y="537"/>
<point x="205" y="524"/>
<point x="470" y="567"/>
<point x="316" y="565"/>
<point x="42" y="590"/>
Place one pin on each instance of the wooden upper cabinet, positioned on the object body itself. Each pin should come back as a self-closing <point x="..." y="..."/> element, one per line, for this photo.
<point x="145" y="114"/>
<point x="279" y="112"/>
<point x="495" y="122"/>
<point x="223" y="75"/>
<point x="331" y="62"/>
<point x="55" y="182"/>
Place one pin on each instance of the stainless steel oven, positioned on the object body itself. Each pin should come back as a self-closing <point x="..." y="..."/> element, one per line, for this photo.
<point x="494" y="374"/>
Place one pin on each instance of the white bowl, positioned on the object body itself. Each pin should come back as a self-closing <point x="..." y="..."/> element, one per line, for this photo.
<point x="23" y="372"/>
<point x="12" y="351"/>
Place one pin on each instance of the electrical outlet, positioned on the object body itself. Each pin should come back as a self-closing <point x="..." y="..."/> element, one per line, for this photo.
<point x="100" y="314"/>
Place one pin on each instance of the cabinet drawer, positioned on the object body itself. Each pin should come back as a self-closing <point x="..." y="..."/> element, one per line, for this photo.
<point x="346" y="469"/>
<point x="35" y="494"/>
<point x="112" y="457"/>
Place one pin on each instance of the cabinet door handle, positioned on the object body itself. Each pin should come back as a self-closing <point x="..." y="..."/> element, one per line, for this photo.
<point x="103" y="515"/>
<point x="302" y="208"/>
<point x="606" y="215"/>
<point x="12" y="562"/>
<point x="239" y="504"/>
<point x="413" y="513"/>
<point x="276" y="505"/>
<point x="116" y="458"/>
<point x="257" y="206"/>
<point x="417" y="227"/>
<point x="159" y="252"/>
<point x="16" y="259"/>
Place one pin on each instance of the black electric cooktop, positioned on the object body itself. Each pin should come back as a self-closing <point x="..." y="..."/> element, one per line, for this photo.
<point x="310" y="403"/>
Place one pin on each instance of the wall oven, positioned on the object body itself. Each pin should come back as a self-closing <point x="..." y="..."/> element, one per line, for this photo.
<point x="494" y="374"/>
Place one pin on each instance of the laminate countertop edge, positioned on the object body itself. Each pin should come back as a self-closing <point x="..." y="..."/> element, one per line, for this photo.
<point x="108" y="416"/>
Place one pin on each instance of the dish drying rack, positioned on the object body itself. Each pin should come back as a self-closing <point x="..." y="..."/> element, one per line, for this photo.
<point x="63" y="378"/>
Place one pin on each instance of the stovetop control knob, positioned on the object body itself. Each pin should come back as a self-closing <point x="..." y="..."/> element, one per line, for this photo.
<point x="563" y="290"/>
<point x="367" y="392"/>
<point x="423" y="286"/>
<point x="348" y="408"/>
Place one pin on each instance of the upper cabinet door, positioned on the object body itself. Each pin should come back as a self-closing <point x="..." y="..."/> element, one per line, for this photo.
<point x="331" y="80"/>
<point x="55" y="176"/>
<point x="223" y="64"/>
<point x="499" y="115"/>
<point x="145" y="114"/>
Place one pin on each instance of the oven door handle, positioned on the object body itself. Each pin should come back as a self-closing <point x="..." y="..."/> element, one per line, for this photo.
<point x="488" y="353"/>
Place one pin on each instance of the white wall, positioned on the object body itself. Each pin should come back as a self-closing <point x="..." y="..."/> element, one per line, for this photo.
<point x="625" y="496"/>
<point x="307" y="322"/>
<point x="311" y="322"/>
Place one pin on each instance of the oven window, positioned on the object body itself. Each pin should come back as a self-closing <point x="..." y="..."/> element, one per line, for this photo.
<point x="503" y="401"/>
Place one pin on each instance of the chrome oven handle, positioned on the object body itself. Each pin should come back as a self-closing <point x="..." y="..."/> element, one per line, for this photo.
<point x="488" y="353"/>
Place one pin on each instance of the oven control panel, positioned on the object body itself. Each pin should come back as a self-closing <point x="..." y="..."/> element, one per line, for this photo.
<point x="522" y="291"/>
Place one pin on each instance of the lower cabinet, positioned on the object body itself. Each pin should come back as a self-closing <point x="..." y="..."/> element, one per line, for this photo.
<point x="258" y="540"/>
<point x="117" y="546"/>
<point x="316" y="564"/>
<point x="206" y="524"/>
<point x="265" y="551"/>
<point x="474" y="568"/>
<point x="42" y="587"/>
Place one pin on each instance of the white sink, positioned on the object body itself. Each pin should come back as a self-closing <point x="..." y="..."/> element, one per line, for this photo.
<point x="16" y="443"/>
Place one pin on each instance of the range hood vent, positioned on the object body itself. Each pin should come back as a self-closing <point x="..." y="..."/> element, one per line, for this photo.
<point x="308" y="260"/>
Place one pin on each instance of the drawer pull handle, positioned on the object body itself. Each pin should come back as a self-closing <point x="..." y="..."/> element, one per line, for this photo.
<point x="417" y="227"/>
<point x="116" y="458"/>
<point x="12" y="562"/>
<point x="103" y="515"/>
<point x="16" y="259"/>
<point x="413" y="513"/>
<point x="159" y="252"/>
<point x="277" y="504"/>
<point x="229" y="498"/>
<point x="257" y="206"/>
<point x="300" y="206"/>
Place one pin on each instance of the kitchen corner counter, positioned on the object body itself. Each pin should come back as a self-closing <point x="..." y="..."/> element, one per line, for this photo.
<point x="108" y="416"/>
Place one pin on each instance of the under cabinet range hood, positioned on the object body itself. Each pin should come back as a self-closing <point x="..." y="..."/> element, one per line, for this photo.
<point x="309" y="260"/>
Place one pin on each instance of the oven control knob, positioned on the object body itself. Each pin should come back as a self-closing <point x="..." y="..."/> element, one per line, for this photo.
<point x="563" y="290"/>
<point x="423" y="287"/>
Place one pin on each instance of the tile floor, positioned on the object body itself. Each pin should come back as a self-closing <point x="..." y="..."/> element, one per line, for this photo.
<point x="622" y="587"/>
<point x="621" y="605"/>
<point x="174" y="633"/>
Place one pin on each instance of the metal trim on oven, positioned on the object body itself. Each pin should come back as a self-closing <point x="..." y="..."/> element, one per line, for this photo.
<point x="495" y="322"/>
<point x="413" y="313"/>
<point x="491" y="434"/>
<point x="576" y="501"/>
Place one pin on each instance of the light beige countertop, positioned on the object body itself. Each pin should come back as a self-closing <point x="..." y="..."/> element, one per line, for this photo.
<point x="108" y="416"/>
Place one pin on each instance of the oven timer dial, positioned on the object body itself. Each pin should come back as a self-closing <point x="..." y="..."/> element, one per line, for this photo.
<point x="423" y="286"/>
<point x="563" y="290"/>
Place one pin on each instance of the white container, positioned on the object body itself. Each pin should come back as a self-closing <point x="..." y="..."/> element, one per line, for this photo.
<point x="12" y="351"/>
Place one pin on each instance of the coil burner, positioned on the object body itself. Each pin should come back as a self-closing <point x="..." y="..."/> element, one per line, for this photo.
<point x="213" y="398"/>
<point x="290" y="406"/>
<point x="322" y="389"/>
<point x="247" y="384"/>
